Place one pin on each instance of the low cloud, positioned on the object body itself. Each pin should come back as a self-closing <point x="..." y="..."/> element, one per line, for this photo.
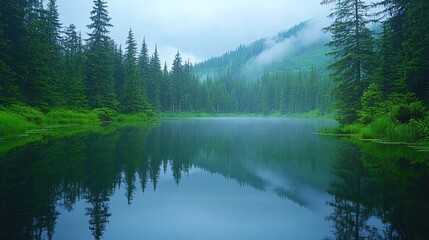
<point x="276" y="51"/>
<point x="204" y="27"/>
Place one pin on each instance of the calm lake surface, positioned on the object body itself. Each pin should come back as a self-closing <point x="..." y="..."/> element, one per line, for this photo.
<point x="213" y="178"/>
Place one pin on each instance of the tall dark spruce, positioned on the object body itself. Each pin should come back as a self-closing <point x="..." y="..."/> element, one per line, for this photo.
<point x="132" y="100"/>
<point x="352" y="50"/>
<point x="100" y="62"/>
<point x="154" y="83"/>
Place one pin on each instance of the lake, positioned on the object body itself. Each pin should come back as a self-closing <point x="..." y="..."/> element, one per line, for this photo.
<point x="213" y="178"/>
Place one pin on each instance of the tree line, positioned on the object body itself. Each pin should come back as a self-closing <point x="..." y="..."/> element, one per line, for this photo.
<point x="380" y="71"/>
<point x="46" y="65"/>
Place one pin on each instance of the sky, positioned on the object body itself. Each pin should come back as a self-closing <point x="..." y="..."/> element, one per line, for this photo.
<point x="199" y="29"/>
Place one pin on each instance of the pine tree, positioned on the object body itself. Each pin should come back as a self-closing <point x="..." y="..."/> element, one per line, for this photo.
<point x="54" y="60"/>
<point x="119" y="71"/>
<point x="143" y="68"/>
<point x="154" y="83"/>
<point x="73" y="84"/>
<point x="100" y="65"/>
<point x="416" y="49"/>
<point x="13" y="48"/>
<point x="8" y="88"/>
<point x="132" y="98"/>
<point x="38" y="85"/>
<point x="176" y="86"/>
<point x="165" y="89"/>
<point x="351" y="46"/>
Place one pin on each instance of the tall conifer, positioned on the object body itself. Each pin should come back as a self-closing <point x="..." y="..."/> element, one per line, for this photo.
<point x="351" y="47"/>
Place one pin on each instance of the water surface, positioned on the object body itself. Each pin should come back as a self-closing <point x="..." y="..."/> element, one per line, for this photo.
<point x="213" y="178"/>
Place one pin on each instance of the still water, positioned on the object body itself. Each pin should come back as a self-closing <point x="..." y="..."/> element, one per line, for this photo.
<point x="213" y="178"/>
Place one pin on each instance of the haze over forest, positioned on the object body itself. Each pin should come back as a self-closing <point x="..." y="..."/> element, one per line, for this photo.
<point x="199" y="29"/>
<point x="95" y="100"/>
<point x="219" y="57"/>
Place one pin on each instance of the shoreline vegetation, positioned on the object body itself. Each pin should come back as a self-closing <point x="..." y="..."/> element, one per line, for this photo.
<point x="387" y="128"/>
<point x="17" y="120"/>
<point x="20" y="120"/>
<point x="311" y="114"/>
<point x="401" y="119"/>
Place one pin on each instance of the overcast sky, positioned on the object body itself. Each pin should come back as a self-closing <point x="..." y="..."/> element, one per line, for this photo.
<point x="199" y="29"/>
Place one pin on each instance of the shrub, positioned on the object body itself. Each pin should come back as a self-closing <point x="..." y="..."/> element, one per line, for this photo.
<point x="12" y="123"/>
<point x="28" y="113"/>
<point x="379" y="127"/>
<point x="390" y="130"/>
<point x="417" y="110"/>
<point x="405" y="112"/>
<point x="371" y="107"/>
<point x="65" y="116"/>
<point x="401" y="113"/>
<point x="106" y="114"/>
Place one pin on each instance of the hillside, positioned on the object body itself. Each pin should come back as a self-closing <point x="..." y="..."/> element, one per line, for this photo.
<point x="289" y="50"/>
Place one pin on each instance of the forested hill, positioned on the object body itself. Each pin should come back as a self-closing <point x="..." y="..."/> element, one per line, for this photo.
<point x="289" y="50"/>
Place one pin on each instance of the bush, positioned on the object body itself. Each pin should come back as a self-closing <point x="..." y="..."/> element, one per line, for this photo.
<point x="390" y="130"/>
<point x="379" y="128"/>
<point x="12" y="123"/>
<point x="65" y="116"/>
<point x="417" y="110"/>
<point x="401" y="113"/>
<point x="28" y="113"/>
<point x="105" y="114"/>
<point x="371" y="104"/>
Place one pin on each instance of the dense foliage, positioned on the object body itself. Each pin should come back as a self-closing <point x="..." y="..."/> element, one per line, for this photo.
<point x="295" y="83"/>
<point x="48" y="66"/>
<point x="381" y="78"/>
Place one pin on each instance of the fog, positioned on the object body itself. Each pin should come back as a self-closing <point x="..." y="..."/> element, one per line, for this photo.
<point x="277" y="51"/>
<point x="199" y="29"/>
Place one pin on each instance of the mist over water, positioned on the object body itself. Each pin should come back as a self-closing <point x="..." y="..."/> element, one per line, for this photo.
<point x="210" y="178"/>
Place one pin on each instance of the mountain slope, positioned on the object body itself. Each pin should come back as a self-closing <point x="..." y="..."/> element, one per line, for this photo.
<point x="300" y="47"/>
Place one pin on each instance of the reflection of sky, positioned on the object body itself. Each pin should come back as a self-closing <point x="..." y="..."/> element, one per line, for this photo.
<point x="203" y="206"/>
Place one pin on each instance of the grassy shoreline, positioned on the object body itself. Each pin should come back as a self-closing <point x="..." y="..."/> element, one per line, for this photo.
<point x="385" y="130"/>
<point x="17" y="120"/>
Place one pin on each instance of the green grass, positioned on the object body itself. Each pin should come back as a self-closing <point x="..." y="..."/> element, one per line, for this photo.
<point x="136" y="118"/>
<point x="12" y="123"/>
<point x="64" y="116"/>
<point x="16" y="120"/>
<point x="385" y="129"/>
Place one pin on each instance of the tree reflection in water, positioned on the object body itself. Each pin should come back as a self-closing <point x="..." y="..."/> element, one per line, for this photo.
<point x="378" y="192"/>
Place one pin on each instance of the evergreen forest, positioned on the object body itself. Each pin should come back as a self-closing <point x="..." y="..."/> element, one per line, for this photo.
<point x="361" y="75"/>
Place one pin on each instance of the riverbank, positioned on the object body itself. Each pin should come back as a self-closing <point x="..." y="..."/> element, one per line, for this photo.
<point x="385" y="130"/>
<point x="16" y="120"/>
